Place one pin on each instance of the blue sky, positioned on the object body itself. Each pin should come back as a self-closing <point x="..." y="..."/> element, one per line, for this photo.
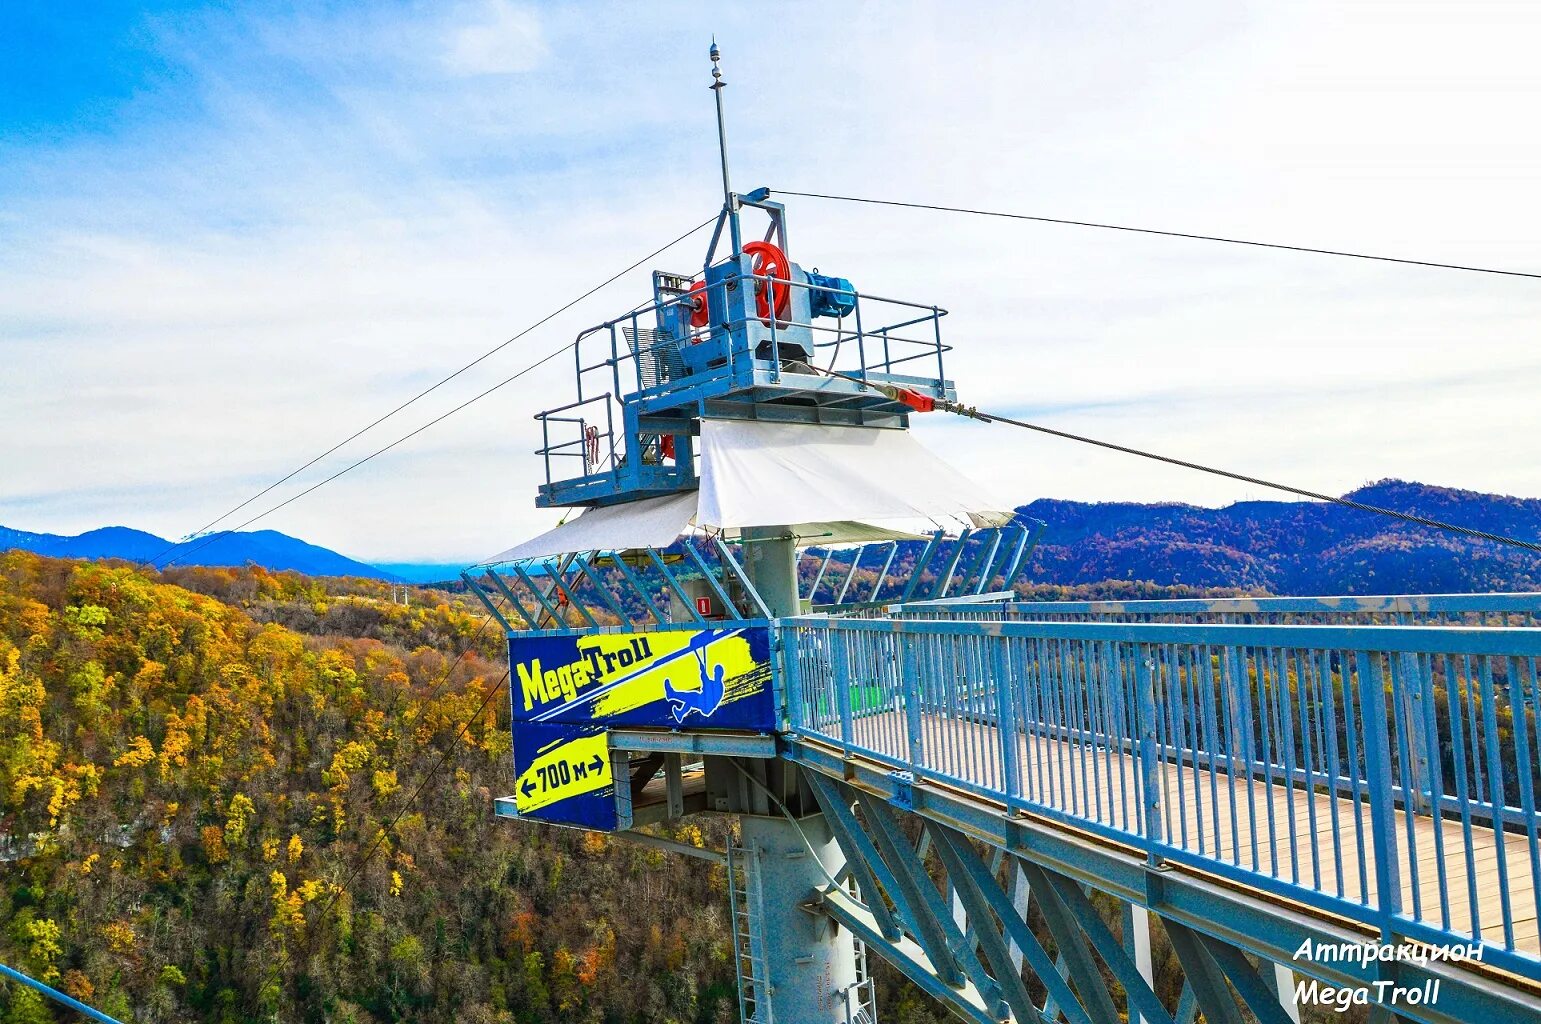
<point x="230" y="234"/>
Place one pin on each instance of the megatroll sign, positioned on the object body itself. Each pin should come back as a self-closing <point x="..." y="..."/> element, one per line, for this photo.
<point x="718" y="678"/>
<point x="567" y="690"/>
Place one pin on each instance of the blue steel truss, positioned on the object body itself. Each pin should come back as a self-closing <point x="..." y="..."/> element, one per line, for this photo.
<point x="1360" y="773"/>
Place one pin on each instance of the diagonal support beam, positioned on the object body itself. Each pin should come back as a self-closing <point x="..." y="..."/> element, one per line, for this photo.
<point x="861" y="858"/>
<point x="929" y="918"/>
<point x="931" y="911"/>
<point x="1025" y="946"/>
<point x="1249" y="984"/>
<point x="603" y="591"/>
<point x="530" y="621"/>
<point x="481" y="596"/>
<point x="1064" y="926"/>
<point x="1142" y="998"/>
<point x="1205" y="979"/>
<point x="636" y="585"/>
<point x="909" y="959"/>
<point x="1187" y="1005"/>
<point x="965" y="872"/>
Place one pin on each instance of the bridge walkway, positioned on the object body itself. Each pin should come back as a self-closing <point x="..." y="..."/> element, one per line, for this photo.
<point x="1301" y="836"/>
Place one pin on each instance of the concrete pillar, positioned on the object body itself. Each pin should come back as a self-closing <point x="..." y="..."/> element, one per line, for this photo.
<point x="808" y="962"/>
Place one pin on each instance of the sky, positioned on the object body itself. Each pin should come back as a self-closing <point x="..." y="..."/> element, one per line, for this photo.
<point x="231" y="235"/>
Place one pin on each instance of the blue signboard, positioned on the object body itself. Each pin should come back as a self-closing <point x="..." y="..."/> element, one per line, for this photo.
<point x="563" y="775"/>
<point x="716" y="678"/>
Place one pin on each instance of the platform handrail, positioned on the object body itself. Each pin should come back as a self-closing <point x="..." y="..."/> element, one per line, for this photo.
<point x="1382" y="773"/>
<point x="1395" y="609"/>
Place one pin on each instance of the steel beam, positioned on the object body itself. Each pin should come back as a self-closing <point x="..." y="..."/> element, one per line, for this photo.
<point x="1204" y="974"/>
<point x="1260" y="925"/>
<point x="1248" y="983"/>
<point x="929" y="920"/>
<point x="909" y="958"/>
<point x="965" y="871"/>
<point x="1068" y="936"/>
<point x="861" y="858"/>
<point x="1141" y="996"/>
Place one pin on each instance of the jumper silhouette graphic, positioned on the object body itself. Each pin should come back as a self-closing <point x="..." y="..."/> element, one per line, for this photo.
<point x="704" y="701"/>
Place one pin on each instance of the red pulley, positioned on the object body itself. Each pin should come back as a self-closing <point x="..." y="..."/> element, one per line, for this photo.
<point x="770" y="263"/>
<point x="695" y="301"/>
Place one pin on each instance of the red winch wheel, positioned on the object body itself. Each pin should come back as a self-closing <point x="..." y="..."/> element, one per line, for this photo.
<point x="770" y="263"/>
<point x="695" y="301"/>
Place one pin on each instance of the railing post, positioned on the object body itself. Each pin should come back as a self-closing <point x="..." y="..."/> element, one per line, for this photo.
<point x="909" y="679"/>
<point x="1377" y="764"/>
<point x="791" y="678"/>
<point x="1408" y="684"/>
<point x="840" y="676"/>
<point x="1150" y="766"/>
<point x="1006" y="719"/>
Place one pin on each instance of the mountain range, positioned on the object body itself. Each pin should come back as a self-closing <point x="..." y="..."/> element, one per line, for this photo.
<point x="1281" y="547"/>
<point x="267" y="548"/>
<point x="1294" y="547"/>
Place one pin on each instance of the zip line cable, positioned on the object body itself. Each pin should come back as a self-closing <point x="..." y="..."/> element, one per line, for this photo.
<point x="1156" y="231"/>
<point x="407" y="803"/>
<point x="434" y="387"/>
<point x="378" y="452"/>
<point x="1406" y="517"/>
<point x="970" y="412"/>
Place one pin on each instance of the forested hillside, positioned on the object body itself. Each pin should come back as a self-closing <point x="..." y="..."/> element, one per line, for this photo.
<point x="1293" y="547"/>
<point x="231" y="796"/>
<point x="192" y="766"/>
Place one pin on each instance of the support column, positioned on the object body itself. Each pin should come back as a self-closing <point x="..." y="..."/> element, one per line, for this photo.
<point x="1137" y="945"/>
<point x="809" y="961"/>
<point x="770" y="561"/>
<point x="1282" y="982"/>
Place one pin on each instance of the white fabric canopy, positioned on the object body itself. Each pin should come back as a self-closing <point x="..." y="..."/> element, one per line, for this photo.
<point x="832" y="485"/>
<point x="649" y="523"/>
<point x="755" y="473"/>
<point x="657" y="522"/>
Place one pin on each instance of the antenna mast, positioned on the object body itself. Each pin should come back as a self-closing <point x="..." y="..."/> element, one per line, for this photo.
<point x="729" y="200"/>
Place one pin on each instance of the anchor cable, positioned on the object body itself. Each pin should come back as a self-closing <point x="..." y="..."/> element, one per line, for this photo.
<point x="957" y="408"/>
<point x="1164" y="234"/>
<point x="355" y="465"/>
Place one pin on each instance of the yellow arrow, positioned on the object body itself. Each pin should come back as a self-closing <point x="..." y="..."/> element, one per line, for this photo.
<point x="564" y="770"/>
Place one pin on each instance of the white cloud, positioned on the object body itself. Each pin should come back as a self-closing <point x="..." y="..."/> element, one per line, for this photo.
<point x="496" y="38"/>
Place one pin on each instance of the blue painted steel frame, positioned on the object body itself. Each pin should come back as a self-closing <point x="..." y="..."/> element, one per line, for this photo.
<point x="1366" y="644"/>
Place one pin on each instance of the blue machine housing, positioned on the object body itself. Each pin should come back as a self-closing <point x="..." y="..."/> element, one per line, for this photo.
<point x="646" y="380"/>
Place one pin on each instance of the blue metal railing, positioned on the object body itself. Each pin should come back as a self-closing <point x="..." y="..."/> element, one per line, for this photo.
<point x="1519" y="609"/>
<point x="883" y="339"/>
<point x="1387" y="774"/>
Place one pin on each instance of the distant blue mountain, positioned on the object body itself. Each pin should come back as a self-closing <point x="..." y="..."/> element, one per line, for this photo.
<point x="267" y="548"/>
<point x="1282" y="547"/>
<point x="1299" y="547"/>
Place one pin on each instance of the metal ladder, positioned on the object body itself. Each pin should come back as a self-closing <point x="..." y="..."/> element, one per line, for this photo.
<point x="861" y="998"/>
<point x="746" y="902"/>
